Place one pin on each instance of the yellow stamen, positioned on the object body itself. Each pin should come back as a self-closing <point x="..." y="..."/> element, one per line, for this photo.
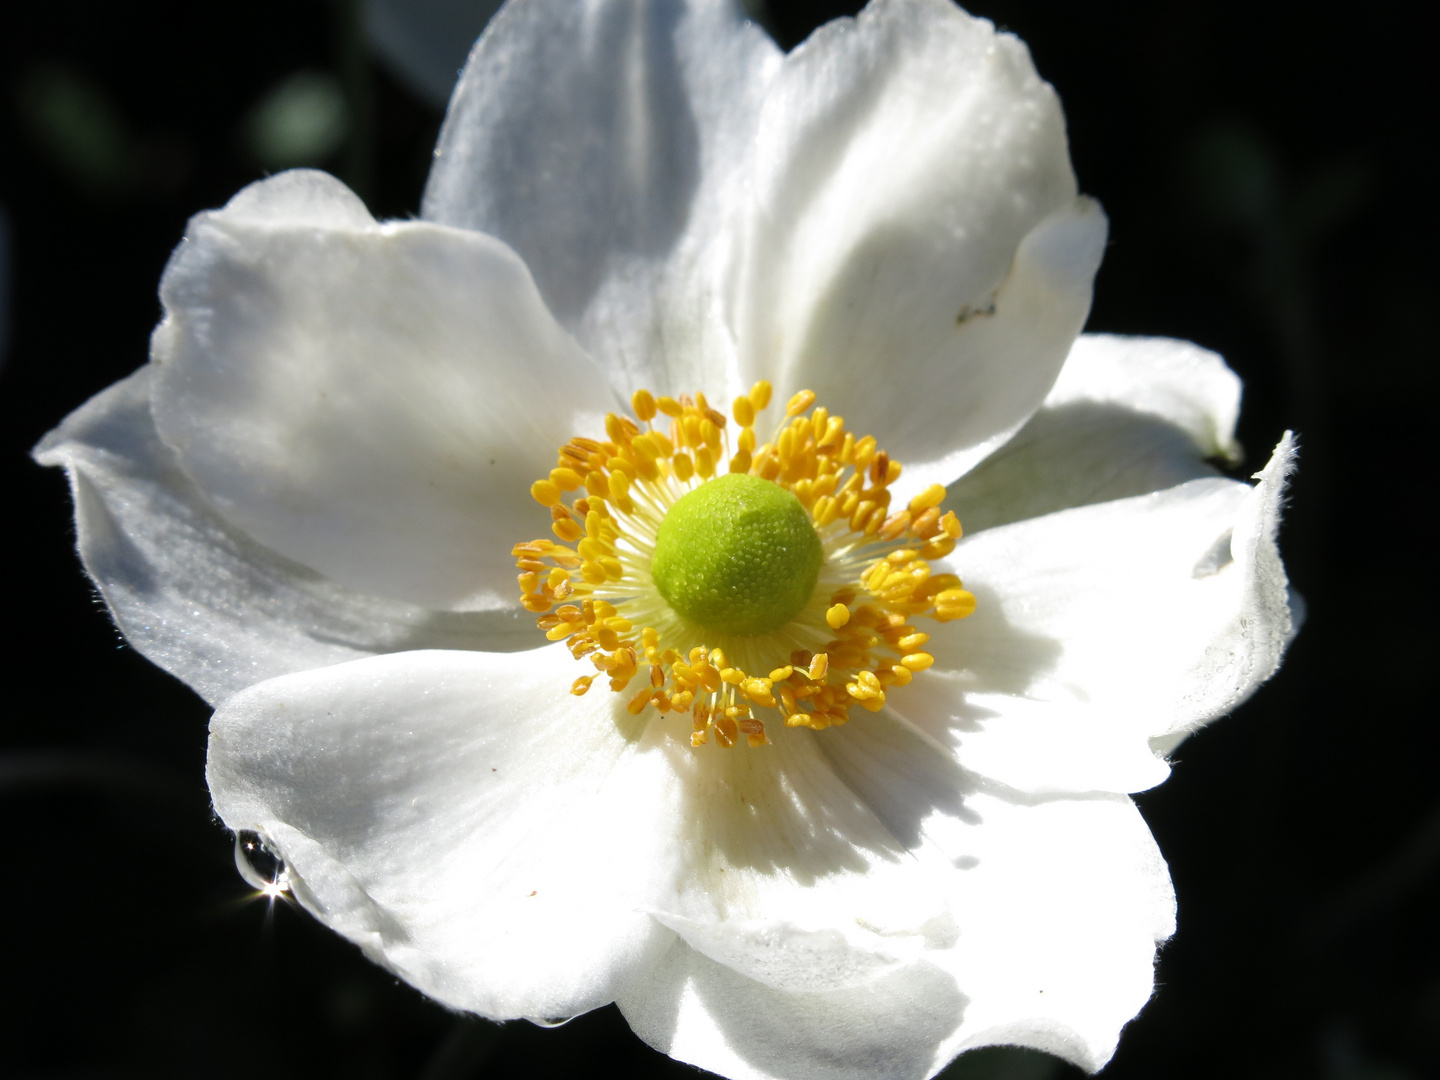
<point x="545" y="492"/>
<point x="934" y="495"/>
<point x="744" y="411"/>
<point x="851" y="645"/>
<point x="643" y="404"/>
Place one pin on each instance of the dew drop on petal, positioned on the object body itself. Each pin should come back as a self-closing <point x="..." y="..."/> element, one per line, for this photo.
<point x="261" y="868"/>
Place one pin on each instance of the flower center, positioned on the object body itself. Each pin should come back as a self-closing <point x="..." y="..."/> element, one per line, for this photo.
<point x="782" y="588"/>
<point x="738" y="555"/>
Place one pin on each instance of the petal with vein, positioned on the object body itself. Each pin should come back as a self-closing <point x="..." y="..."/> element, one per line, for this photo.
<point x="465" y="824"/>
<point x="372" y="401"/>
<point x="1101" y="627"/>
<point x="1062" y="899"/>
<point x="604" y="141"/>
<point x="917" y="254"/>
<point x="202" y="599"/>
<point x="1068" y="901"/>
<point x="780" y="872"/>
<point x="1127" y="416"/>
<point x="513" y="850"/>
<point x="704" y="1013"/>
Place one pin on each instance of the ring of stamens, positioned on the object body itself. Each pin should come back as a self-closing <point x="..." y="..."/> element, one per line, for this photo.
<point x="591" y="586"/>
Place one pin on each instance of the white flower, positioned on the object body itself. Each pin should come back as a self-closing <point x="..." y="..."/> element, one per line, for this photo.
<point x="305" y="507"/>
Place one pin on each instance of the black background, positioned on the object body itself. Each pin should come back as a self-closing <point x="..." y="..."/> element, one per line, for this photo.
<point x="1266" y="171"/>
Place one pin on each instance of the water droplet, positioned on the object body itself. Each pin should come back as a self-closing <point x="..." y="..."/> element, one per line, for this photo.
<point x="260" y="867"/>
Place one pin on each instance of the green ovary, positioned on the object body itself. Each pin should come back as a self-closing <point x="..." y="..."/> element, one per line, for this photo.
<point x="738" y="555"/>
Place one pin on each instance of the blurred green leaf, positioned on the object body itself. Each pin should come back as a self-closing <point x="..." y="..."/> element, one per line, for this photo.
<point x="301" y="121"/>
<point x="79" y="128"/>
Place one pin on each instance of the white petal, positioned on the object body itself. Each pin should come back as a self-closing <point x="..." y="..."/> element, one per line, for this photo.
<point x="781" y="872"/>
<point x="1100" y="627"/>
<point x="703" y="1013"/>
<point x="1250" y="648"/>
<point x="1127" y="416"/>
<point x="1061" y="900"/>
<point x="603" y="141"/>
<point x="917" y="252"/>
<point x="419" y="798"/>
<point x="458" y="815"/>
<point x="1066" y="903"/>
<point x="1177" y="381"/>
<point x="782" y="956"/>
<point x="199" y="597"/>
<point x="373" y="401"/>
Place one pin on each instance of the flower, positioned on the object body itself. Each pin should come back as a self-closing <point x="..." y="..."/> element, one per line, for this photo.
<point x="310" y="505"/>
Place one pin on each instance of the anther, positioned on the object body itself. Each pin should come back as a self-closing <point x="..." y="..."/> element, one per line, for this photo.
<point x="934" y="495"/>
<point x="800" y="402"/>
<point x="744" y="411"/>
<point x="643" y="402"/>
<point x="565" y="479"/>
<point x="545" y="492"/>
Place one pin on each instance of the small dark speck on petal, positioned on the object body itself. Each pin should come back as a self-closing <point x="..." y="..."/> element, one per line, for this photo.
<point x="532" y="893"/>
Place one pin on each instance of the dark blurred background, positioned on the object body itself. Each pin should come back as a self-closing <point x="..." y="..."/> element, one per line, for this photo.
<point x="1266" y="171"/>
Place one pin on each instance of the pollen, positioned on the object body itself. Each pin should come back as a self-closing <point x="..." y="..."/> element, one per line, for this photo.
<point x="739" y="583"/>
